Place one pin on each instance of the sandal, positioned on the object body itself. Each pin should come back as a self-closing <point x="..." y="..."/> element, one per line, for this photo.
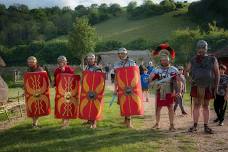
<point x="192" y="129"/>
<point x="208" y="130"/>
<point x="172" y="128"/>
<point x="156" y="126"/>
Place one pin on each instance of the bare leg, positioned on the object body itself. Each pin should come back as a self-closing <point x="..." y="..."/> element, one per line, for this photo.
<point x="196" y="110"/>
<point x="93" y="124"/>
<point x="206" y="112"/>
<point x="129" y="123"/>
<point x="35" y="121"/>
<point x="171" y="114"/>
<point x="157" y="113"/>
<point x="147" y="96"/>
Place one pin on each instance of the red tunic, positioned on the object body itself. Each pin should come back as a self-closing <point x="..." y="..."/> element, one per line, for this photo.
<point x="67" y="69"/>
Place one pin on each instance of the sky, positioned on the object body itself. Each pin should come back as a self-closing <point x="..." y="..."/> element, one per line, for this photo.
<point x="70" y="3"/>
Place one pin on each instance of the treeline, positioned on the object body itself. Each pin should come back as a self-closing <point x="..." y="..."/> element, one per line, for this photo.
<point x="206" y="11"/>
<point x="20" y="25"/>
<point x="47" y="52"/>
<point x="184" y="41"/>
<point x="148" y="8"/>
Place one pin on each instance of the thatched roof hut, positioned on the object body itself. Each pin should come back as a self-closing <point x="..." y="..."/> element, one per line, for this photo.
<point x="2" y="62"/>
<point x="111" y="57"/>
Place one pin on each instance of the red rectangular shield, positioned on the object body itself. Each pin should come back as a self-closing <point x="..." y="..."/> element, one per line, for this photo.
<point x="67" y="96"/>
<point x="37" y="94"/>
<point x="92" y="95"/>
<point x="129" y="91"/>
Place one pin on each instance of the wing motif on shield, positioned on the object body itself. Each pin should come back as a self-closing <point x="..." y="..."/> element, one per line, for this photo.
<point x="37" y="93"/>
<point x="92" y="93"/>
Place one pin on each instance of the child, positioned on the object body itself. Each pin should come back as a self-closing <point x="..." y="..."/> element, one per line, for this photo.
<point x="145" y="83"/>
<point x="220" y="102"/>
<point x="182" y="86"/>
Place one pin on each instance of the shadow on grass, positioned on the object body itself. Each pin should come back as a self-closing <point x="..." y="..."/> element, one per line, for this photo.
<point x="22" y="138"/>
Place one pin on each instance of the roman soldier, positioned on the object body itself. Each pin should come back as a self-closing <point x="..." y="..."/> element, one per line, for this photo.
<point x="165" y="74"/>
<point x="92" y="92"/>
<point x="37" y="95"/>
<point x="66" y="91"/>
<point x="128" y="87"/>
<point x="205" y="77"/>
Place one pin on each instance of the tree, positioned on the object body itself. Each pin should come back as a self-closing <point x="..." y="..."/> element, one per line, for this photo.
<point x="82" y="39"/>
<point x="115" y="10"/>
<point x="131" y="6"/>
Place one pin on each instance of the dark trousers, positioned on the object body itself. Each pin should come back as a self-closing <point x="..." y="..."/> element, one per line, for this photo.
<point x="179" y="101"/>
<point x="220" y="107"/>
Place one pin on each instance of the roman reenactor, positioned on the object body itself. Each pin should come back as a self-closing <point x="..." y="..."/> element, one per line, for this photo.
<point x="128" y="87"/>
<point x="92" y="92"/>
<point x="166" y="75"/>
<point x="37" y="94"/>
<point x="205" y="76"/>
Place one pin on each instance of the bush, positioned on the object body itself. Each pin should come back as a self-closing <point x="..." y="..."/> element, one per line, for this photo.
<point x="108" y="46"/>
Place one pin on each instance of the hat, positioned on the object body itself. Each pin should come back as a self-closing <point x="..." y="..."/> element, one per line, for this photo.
<point x="180" y="68"/>
<point x="61" y="59"/>
<point x="122" y="50"/>
<point x="201" y="44"/>
<point x="90" y="56"/>
<point x="32" y="58"/>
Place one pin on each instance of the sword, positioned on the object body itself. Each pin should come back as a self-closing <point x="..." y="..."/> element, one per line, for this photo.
<point x="112" y="101"/>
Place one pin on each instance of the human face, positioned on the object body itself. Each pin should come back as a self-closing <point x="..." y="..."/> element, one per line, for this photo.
<point x="61" y="64"/>
<point x="221" y="71"/>
<point x="31" y="63"/>
<point x="201" y="52"/>
<point x="122" y="56"/>
<point x="181" y="71"/>
<point x="164" y="62"/>
<point x="91" y="61"/>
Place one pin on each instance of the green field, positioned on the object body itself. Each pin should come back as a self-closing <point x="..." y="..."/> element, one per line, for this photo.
<point x="110" y="136"/>
<point x="155" y="29"/>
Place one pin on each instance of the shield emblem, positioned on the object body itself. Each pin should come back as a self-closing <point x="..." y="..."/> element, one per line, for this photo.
<point x="129" y="91"/>
<point x="67" y="96"/>
<point x="92" y="95"/>
<point x="37" y="94"/>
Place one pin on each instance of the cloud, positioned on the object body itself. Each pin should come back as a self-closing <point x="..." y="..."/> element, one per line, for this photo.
<point x="70" y="3"/>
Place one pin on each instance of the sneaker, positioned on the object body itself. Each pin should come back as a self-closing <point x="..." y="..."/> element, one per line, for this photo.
<point x="184" y="113"/>
<point x="221" y="124"/>
<point x="216" y="120"/>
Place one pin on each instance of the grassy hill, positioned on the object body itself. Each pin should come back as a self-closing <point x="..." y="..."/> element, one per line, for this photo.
<point x="155" y="29"/>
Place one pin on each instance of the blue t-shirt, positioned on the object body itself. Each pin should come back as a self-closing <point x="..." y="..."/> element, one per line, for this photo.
<point x="145" y="81"/>
<point x="150" y="69"/>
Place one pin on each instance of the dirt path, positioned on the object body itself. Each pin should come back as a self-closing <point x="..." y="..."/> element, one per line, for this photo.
<point x="205" y="143"/>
